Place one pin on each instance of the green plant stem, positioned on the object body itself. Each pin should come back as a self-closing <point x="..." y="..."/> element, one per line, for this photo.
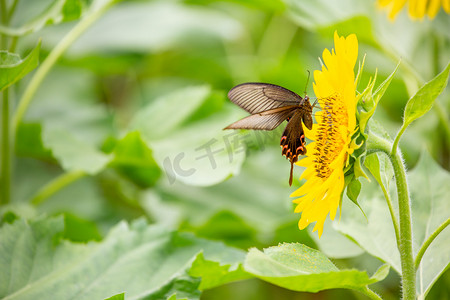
<point x="397" y="139"/>
<point x="12" y="46"/>
<point x="4" y="19"/>
<point x="55" y="185"/>
<point x="393" y="216"/>
<point x="405" y="242"/>
<point x="406" y="249"/>
<point x="12" y="10"/>
<point x="371" y="294"/>
<point x="4" y="11"/>
<point x="429" y="240"/>
<point x="50" y="60"/>
<point x="6" y="151"/>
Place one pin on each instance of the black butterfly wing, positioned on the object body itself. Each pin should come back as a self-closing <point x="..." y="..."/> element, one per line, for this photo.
<point x="267" y="120"/>
<point x="257" y="97"/>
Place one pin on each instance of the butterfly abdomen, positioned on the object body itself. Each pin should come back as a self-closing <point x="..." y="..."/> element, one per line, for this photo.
<point x="293" y="140"/>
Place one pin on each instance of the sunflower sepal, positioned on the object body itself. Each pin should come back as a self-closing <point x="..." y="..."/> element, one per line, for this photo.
<point x="360" y="70"/>
<point x="352" y="187"/>
<point x="358" y="139"/>
<point x="356" y="159"/>
<point x="368" y="100"/>
<point x="356" y="162"/>
<point x="366" y="106"/>
<point x="358" y="144"/>
<point x="358" y="168"/>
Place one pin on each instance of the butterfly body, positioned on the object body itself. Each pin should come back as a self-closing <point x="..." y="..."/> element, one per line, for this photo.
<point x="269" y="106"/>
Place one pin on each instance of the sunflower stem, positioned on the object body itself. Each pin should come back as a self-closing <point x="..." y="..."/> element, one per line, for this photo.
<point x="404" y="206"/>
<point x="405" y="243"/>
<point x="429" y="240"/>
<point x="397" y="139"/>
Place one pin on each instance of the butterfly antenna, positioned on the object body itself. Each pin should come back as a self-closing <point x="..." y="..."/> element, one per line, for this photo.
<point x="315" y="102"/>
<point x="307" y="81"/>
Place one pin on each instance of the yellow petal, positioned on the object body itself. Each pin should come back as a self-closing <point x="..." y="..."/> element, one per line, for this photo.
<point x="446" y="5"/>
<point x="384" y="3"/>
<point x="433" y="8"/>
<point x="398" y="5"/>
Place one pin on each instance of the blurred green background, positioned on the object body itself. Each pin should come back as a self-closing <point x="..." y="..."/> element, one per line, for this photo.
<point x="139" y="101"/>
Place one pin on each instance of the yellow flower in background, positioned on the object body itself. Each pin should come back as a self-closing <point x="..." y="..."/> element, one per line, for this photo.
<point x="328" y="154"/>
<point x="417" y="9"/>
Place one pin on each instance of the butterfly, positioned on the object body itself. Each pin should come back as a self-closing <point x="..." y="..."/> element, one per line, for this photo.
<point x="269" y="106"/>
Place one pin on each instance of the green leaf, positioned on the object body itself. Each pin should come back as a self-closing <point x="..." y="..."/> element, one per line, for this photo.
<point x="229" y="228"/>
<point x="44" y="13"/>
<point x="428" y="185"/>
<point x="353" y="190"/>
<point x="13" y="68"/>
<point x="380" y="167"/>
<point x="378" y="129"/>
<point x="120" y="296"/>
<point x="74" y="123"/>
<point x="334" y="244"/>
<point x="299" y="268"/>
<point x="77" y="229"/>
<point x="139" y="260"/>
<point x="191" y="150"/>
<point x="358" y="169"/>
<point x="214" y="274"/>
<point x="165" y="114"/>
<point x="258" y="195"/>
<point x="201" y="153"/>
<point x="214" y="103"/>
<point x="134" y="159"/>
<point x="384" y="85"/>
<point x="423" y="100"/>
<point x="381" y="273"/>
<point x="184" y="287"/>
<point x="73" y="153"/>
<point x="72" y="10"/>
<point x="375" y="233"/>
<point x="29" y="142"/>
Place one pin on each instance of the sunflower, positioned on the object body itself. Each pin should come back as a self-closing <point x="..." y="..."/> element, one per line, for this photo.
<point x="417" y="9"/>
<point x="328" y="154"/>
